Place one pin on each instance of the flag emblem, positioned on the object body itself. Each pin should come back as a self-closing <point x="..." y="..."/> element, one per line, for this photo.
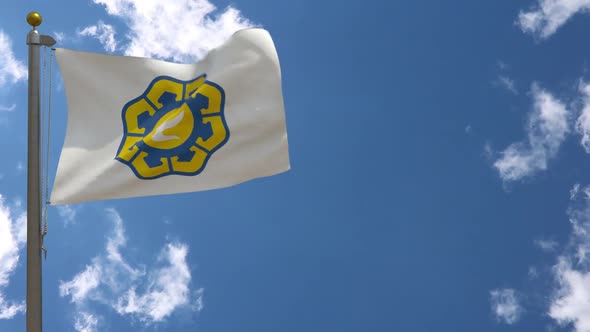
<point x="174" y="127"/>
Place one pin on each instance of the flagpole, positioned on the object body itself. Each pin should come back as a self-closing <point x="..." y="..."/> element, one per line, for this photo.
<point x="34" y="281"/>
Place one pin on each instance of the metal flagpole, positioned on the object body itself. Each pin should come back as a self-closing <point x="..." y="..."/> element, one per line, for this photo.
<point x="34" y="303"/>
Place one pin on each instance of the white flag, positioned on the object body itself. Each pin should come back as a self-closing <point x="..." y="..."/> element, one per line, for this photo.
<point x="139" y="127"/>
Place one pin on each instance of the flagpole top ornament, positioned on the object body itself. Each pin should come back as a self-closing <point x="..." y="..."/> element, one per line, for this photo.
<point x="34" y="19"/>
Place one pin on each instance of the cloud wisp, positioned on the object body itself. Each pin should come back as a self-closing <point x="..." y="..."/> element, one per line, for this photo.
<point x="13" y="237"/>
<point x="546" y="130"/>
<point x="11" y="69"/>
<point x="546" y="245"/>
<point x="505" y="305"/>
<point x="10" y="108"/>
<point x="547" y="16"/>
<point x="67" y="213"/>
<point x="182" y="31"/>
<point x="105" y="33"/>
<point x="507" y="84"/>
<point x="146" y="295"/>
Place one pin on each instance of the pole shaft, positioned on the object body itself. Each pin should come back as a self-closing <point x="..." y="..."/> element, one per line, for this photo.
<point x="34" y="280"/>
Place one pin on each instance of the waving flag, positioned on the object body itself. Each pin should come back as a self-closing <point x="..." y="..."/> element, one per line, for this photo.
<point x="139" y="127"/>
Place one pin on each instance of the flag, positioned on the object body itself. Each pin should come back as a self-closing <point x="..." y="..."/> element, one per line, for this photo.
<point x="140" y="127"/>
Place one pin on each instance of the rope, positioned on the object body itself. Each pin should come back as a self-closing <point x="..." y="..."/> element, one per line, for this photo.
<point x="42" y="124"/>
<point x="51" y="56"/>
<point x="46" y="131"/>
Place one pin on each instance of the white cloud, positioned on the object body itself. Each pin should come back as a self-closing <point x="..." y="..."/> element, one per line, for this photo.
<point x="67" y="213"/>
<point x="149" y="297"/>
<point x="82" y="284"/>
<point x="505" y="305"/>
<point x="507" y="83"/>
<point x="547" y="129"/>
<point x="198" y="304"/>
<point x="17" y="202"/>
<point x="13" y="237"/>
<point x="10" y="108"/>
<point x="583" y="122"/>
<point x="9" y="310"/>
<point x="117" y="264"/>
<point x="488" y="151"/>
<point x="569" y="297"/>
<point x="167" y="289"/>
<point x="574" y="191"/>
<point x="86" y="322"/>
<point x="546" y="245"/>
<point x="580" y="221"/>
<point x="11" y="69"/>
<point x="549" y="15"/>
<point x="182" y="31"/>
<point x="502" y="65"/>
<point x="59" y="36"/>
<point x="570" y="302"/>
<point x="105" y="33"/>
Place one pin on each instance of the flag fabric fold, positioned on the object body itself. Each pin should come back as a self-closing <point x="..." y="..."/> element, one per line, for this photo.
<point x="142" y="127"/>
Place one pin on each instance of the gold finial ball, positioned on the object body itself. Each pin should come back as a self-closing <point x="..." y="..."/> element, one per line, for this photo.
<point x="34" y="19"/>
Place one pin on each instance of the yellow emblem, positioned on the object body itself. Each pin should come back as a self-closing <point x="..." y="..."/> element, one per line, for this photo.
<point x="173" y="127"/>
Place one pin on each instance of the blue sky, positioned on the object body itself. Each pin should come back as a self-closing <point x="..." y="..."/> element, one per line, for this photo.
<point x="439" y="154"/>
